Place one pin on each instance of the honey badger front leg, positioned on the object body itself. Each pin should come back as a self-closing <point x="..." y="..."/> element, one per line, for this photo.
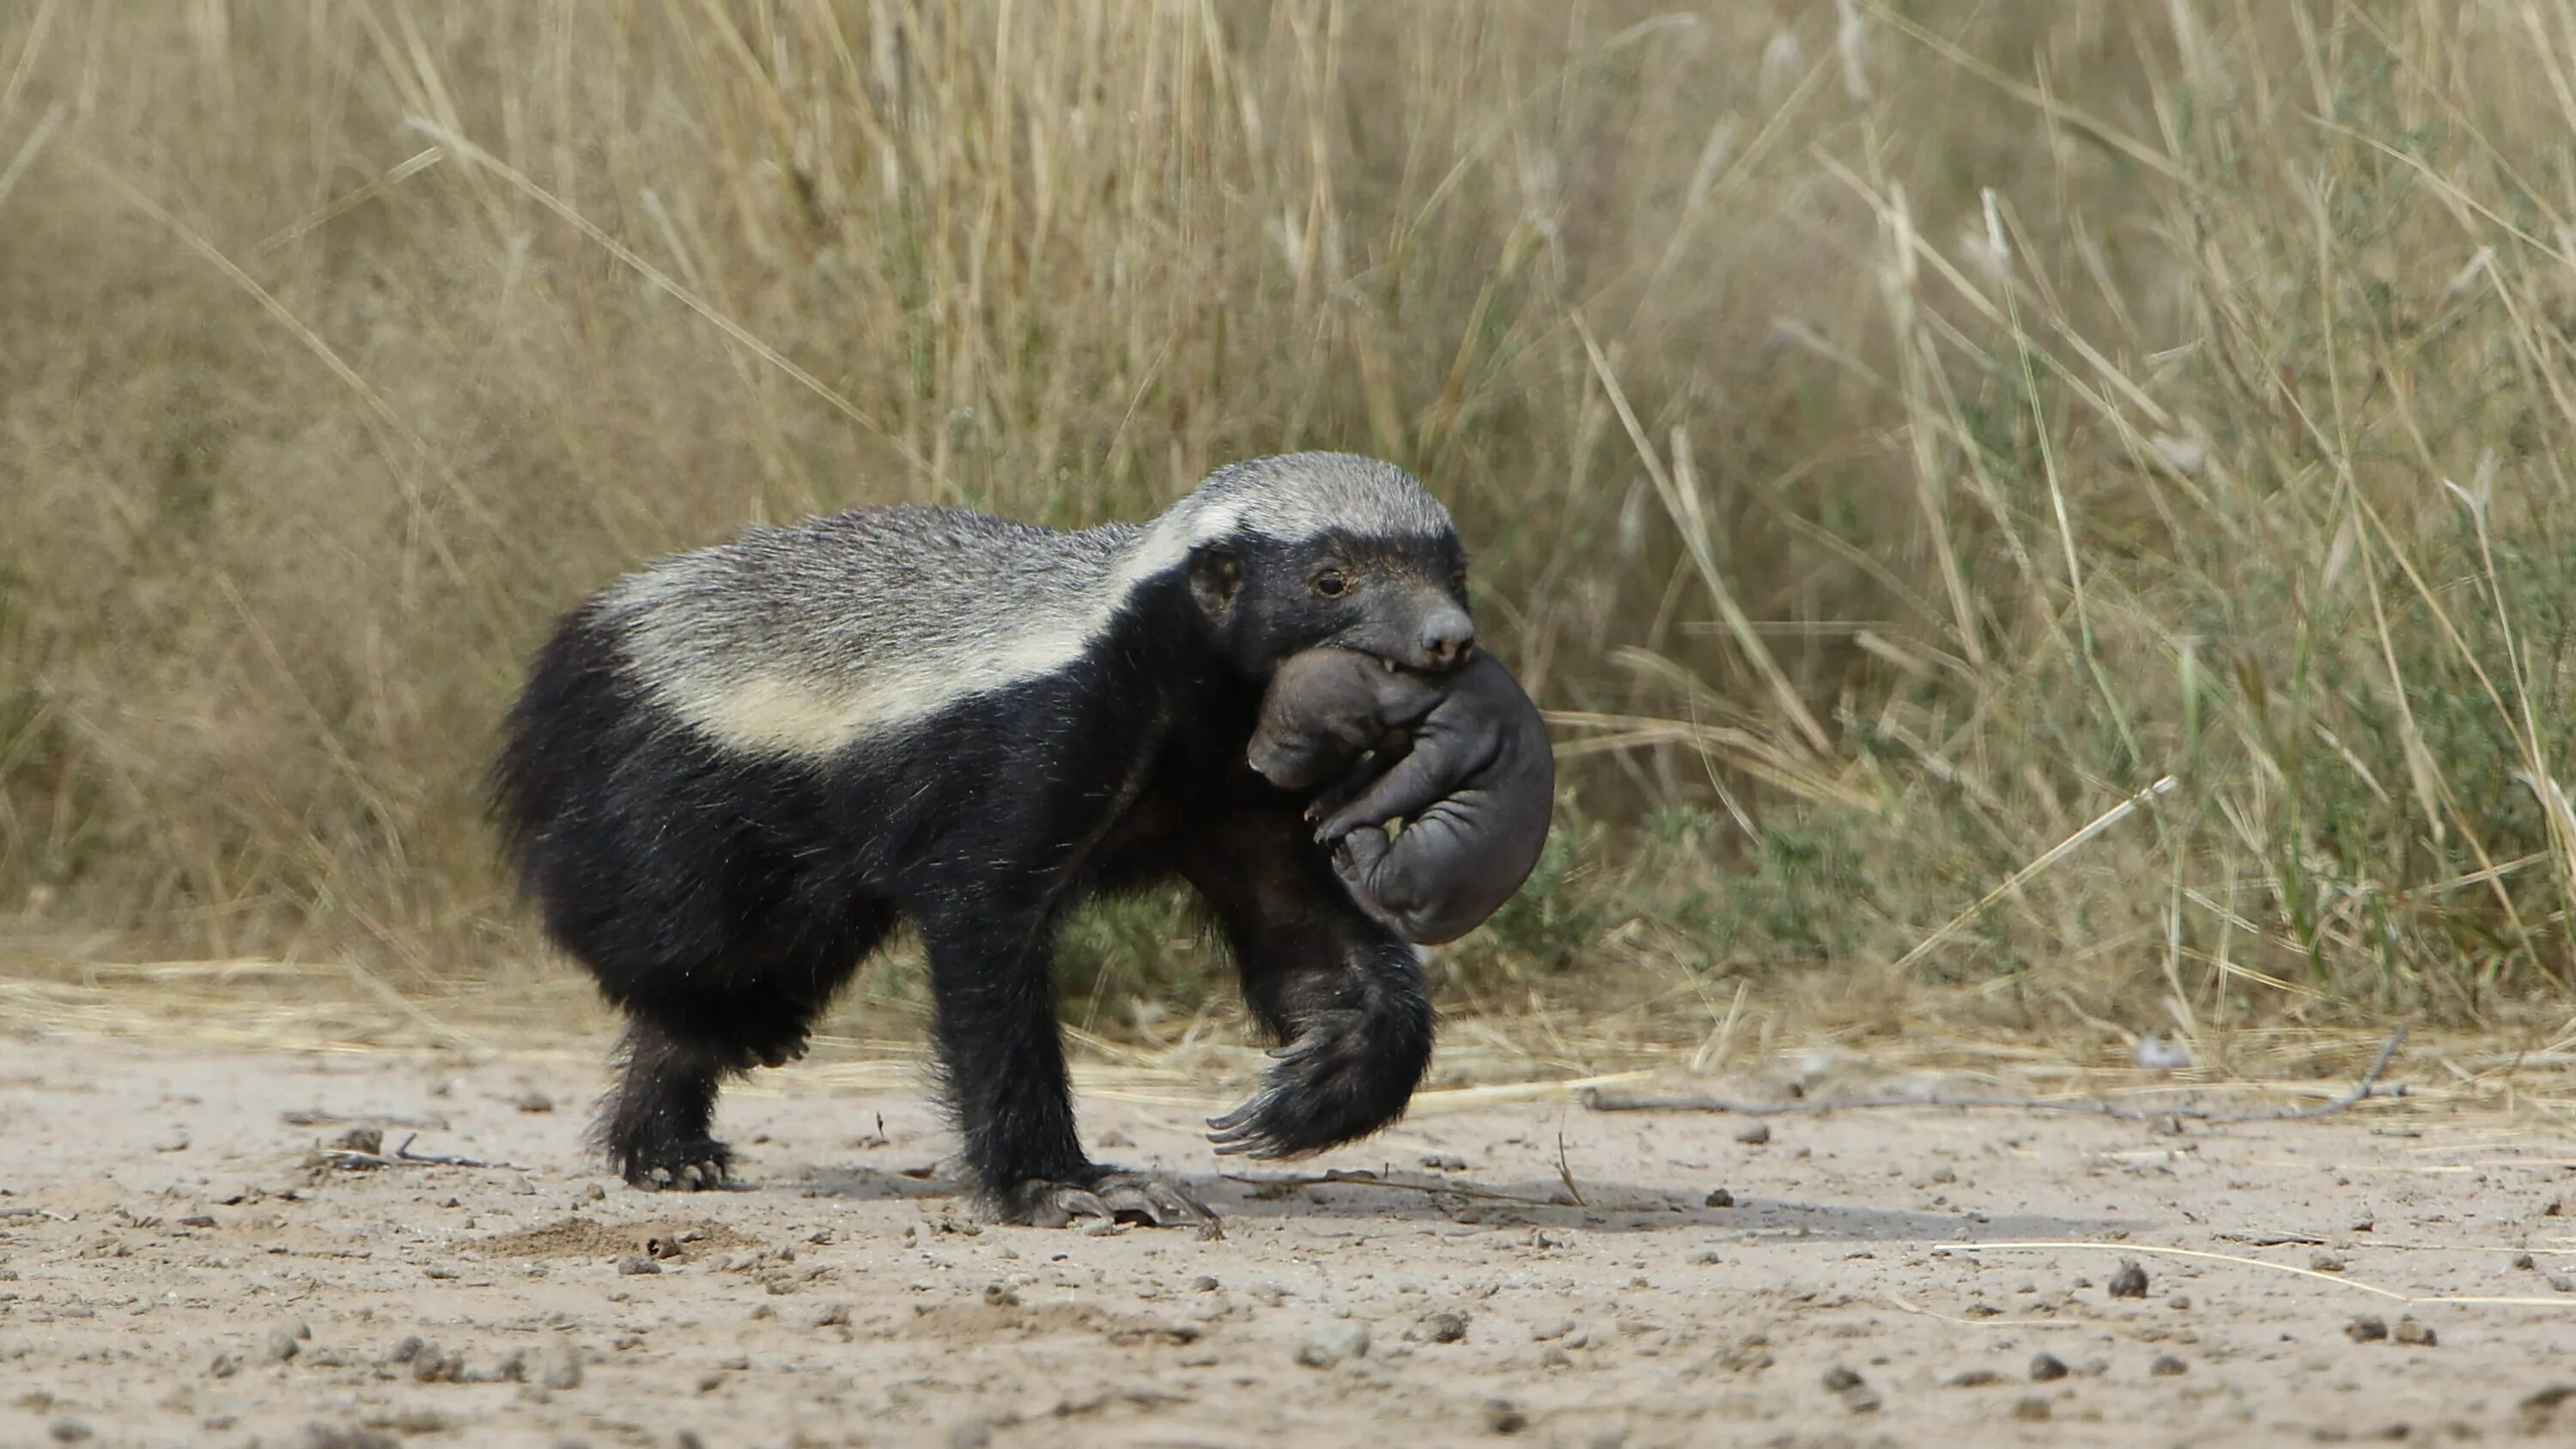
<point x="1341" y="990"/>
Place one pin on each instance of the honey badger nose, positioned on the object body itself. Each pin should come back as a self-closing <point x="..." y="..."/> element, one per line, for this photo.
<point x="1446" y="636"/>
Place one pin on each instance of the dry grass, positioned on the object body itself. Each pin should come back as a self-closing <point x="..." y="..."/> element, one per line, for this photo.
<point x="2028" y="515"/>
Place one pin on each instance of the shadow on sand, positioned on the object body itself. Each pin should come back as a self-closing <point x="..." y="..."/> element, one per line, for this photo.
<point x="1456" y="1198"/>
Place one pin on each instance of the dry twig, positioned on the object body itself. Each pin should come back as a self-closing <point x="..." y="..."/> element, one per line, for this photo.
<point x="2363" y="1090"/>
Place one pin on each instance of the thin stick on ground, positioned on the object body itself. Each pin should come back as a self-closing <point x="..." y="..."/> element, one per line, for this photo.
<point x="2363" y="1090"/>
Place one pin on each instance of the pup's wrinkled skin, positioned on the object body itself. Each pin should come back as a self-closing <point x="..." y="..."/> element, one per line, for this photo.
<point x="1472" y="779"/>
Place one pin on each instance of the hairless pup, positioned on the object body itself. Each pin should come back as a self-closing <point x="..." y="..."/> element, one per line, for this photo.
<point x="1472" y="778"/>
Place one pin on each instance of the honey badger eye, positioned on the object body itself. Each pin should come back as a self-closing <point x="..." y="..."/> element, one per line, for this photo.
<point x="1331" y="583"/>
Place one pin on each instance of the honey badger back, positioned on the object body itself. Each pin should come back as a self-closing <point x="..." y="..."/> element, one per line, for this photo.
<point x="730" y="773"/>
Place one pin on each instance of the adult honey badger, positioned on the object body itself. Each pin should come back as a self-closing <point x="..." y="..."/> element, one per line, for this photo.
<point x="730" y="773"/>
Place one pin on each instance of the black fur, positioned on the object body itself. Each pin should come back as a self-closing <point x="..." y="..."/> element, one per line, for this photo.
<point x="720" y="900"/>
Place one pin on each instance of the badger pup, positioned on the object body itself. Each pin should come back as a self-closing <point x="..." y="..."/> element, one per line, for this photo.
<point x="1473" y="778"/>
<point x="731" y="773"/>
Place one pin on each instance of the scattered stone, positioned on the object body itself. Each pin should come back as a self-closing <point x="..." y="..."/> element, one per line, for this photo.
<point x="1334" y="1343"/>
<point x="1443" y="1162"/>
<point x="533" y="1102"/>
<point x="2561" y="1283"/>
<point x="68" y="1431"/>
<point x="2539" y="1409"/>
<point x="1502" y="1416"/>
<point x="1203" y="1284"/>
<point x="323" y="1436"/>
<point x="1446" y="1327"/>
<point x="2325" y="1262"/>
<point x="636" y="1263"/>
<point x="1840" y="1379"/>
<point x="1860" y="1399"/>
<point x="431" y="1365"/>
<point x="563" y="1368"/>
<point x="1554" y="1356"/>
<point x="593" y="1192"/>
<point x="285" y="1341"/>
<point x="1718" y="1197"/>
<point x="225" y="1365"/>
<point x="2413" y="1334"/>
<point x="834" y="1315"/>
<point x="2031" y="1409"/>
<point x="1552" y="1328"/>
<point x="207" y="1220"/>
<point x="2130" y="1281"/>
<point x="1755" y="1135"/>
<point x="1974" y="1379"/>
<point x="2047" y="1368"/>
<point x="2178" y="1302"/>
<point x="2368" y="1328"/>
<point x="2167" y="1366"/>
<point x="2523" y="1261"/>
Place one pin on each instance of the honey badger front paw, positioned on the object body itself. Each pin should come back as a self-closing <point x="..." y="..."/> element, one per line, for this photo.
<point x="681" y="1166"/>
<point x="1345" y="1076"/>
<point x="1112" y="1196"/>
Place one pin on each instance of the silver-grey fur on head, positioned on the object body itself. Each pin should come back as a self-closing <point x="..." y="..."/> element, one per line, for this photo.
<point x="803" y="639"/>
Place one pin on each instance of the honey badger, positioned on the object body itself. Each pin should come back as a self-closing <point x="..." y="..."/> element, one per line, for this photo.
<point x="731" y="773"/>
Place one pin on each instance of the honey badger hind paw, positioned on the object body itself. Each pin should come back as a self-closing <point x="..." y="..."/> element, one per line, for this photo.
<point x="1114" y="1196"/>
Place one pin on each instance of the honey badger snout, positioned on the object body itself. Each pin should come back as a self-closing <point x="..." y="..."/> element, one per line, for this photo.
<point x="1427" y="630"/>
<point x="1447" y="634"/>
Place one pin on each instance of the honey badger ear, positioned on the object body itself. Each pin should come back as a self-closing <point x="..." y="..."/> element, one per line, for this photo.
<point x="1216" y="575"/>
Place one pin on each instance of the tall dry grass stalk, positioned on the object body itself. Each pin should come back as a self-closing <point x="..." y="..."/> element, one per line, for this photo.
<point x="2039" y="512"/>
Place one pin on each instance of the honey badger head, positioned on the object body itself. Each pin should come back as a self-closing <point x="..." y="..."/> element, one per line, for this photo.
<point x="1326" y="549"/>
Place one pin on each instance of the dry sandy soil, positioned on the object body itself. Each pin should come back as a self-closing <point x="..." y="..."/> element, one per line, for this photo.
<point x="175" y="1269"/>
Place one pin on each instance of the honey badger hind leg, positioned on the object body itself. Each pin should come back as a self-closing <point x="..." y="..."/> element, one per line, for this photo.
<point x="1342" y="991"/>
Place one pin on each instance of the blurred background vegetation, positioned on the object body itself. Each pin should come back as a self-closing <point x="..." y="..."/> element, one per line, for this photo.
<point x="2035" y="515"/>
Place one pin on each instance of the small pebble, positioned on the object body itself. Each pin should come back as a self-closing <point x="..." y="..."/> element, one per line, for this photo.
<point x="1755" y="1135"/>
<point x="1446" y="1327"/>
<point x="69" y="1431"/>
<point x="286" y="1340"/>
<point x="1860" y="1399"/>
<point x="2031" y="1409"/>
<point x="1840" y="1379"/>
<point x="2167" y="1366"/>
<point x="634" y="1264"/>
<point x="2413" y="1334"/>
<point x="563" y="1368"/>
<point x="1502" y="1416"/>
<point x="2560" y="1282"/>
<point x="1203" y="1284"/>
<point x="2520" y="1260"/>
<point x="1718" y="1197"/>
<point x="2366" y="1329"/>
<point x="1974" y="1379"/>
<point x="2046" y="1368"/>
<point x="2325" y="1262"/>
<point x="1944" y="1175"/>
<point x="1552" y="1328"/>
<point x="2130" y="1281"/>
<point x="1334" y="1343"/>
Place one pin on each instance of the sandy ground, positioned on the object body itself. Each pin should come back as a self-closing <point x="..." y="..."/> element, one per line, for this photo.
<point x="172" y="1271"/>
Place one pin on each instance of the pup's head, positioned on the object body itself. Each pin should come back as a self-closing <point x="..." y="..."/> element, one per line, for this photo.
<point x="1326" y="549"/>
<point x="1325" y="707"/>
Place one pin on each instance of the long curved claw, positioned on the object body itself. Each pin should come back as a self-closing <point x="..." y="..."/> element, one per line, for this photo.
<point x="1057" y="1204"/>
<point x="1159" y="1203"/>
